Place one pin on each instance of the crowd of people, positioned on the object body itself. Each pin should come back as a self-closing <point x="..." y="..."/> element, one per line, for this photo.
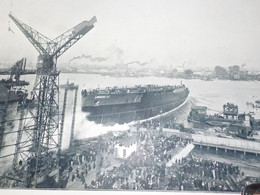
<point x="150" y="124"/>
<point x="76" y="168"/>
<point x="163" y="122"/>
<point x="144" y="169"/>
<point x="200" y="174"/>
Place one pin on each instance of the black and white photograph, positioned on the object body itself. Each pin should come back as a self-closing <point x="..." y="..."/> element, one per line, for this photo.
<point x="130" y="96"/>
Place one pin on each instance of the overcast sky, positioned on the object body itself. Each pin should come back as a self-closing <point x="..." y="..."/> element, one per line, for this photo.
<point x="162" y="32"/>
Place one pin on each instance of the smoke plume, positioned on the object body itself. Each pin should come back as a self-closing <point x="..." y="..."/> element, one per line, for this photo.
<point x="93" y="59"/>
<point x="137" y="62"/>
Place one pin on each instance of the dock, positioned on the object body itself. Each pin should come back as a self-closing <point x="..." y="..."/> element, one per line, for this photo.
<point x="233" y="144"/>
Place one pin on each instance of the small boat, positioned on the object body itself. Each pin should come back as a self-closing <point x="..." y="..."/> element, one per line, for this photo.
<point x="69" y="86"/>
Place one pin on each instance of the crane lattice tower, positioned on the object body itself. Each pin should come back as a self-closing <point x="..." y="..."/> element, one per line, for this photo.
<point x="39" y="137"/>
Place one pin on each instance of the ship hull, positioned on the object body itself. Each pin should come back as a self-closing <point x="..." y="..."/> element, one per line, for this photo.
<point x="6" y="96"/>
<point x="132" y="107"/>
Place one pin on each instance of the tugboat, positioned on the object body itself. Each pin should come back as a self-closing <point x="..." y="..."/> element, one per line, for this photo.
<point x="229" y="121"/>
<point x="230" y="115"/>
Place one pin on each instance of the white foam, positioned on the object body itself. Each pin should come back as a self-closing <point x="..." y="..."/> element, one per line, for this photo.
<point x="87" y="129"/>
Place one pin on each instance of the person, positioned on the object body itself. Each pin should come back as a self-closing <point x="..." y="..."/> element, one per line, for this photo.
<point x="82" y="178"/>
<point x="73" y="177"/>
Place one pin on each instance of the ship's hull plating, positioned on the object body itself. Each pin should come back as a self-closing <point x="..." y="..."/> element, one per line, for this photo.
<point x="7" y="97"/>
<point x="137" y="107"/>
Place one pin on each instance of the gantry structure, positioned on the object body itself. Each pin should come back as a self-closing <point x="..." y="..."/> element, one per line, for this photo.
<point x="39" y="135"/>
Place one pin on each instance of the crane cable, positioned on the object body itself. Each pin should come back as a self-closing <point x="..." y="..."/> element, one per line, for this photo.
<point x="9" y="27"/>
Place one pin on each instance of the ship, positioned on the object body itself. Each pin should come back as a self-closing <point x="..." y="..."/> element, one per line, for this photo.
<point x="11" y="89"/>
<point x="229" y="115"/>
<point x="126" y="104"/>
<point x="7" y="96"/>
<point x="69" y="86"/>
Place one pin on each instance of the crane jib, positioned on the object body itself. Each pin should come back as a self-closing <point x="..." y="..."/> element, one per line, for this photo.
<point x="43" y="135"/>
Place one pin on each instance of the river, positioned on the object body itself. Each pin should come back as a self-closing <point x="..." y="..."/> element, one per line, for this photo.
<point x="212" y="94"/>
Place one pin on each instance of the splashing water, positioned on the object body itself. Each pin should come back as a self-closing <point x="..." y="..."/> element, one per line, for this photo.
<point x="87" y="129"/>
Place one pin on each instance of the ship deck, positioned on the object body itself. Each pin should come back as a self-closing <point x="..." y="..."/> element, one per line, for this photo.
<point x="137" y="89"/>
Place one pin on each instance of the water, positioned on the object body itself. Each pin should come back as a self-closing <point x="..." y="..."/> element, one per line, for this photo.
<point x="212" y="94"/>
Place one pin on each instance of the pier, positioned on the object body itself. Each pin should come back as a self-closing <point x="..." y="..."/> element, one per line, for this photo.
<point x="233" y="144"/>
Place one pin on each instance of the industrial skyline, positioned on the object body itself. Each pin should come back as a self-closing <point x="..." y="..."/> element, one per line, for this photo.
<point x="195" y="33"/>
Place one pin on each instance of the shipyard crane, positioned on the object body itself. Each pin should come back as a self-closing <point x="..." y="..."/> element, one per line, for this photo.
<point x="18" y="69"/>
<point x="42" y="127"/>
<point x="15" y="73"/>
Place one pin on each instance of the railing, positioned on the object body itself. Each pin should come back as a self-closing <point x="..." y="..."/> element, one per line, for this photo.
<point x="229" y="143"/>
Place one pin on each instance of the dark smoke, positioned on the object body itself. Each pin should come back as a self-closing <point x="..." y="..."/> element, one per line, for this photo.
<point x="137" y="62"/>
<point x="93" y="59"/>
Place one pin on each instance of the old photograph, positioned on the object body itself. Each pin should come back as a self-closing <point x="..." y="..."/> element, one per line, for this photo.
<point x="130" y="95"/>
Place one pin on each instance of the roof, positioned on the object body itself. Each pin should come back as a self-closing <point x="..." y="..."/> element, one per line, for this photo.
<point x="199" y="108"/>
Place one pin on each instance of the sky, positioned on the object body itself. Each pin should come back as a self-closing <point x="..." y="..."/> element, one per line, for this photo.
<point x="193" y="33"/>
